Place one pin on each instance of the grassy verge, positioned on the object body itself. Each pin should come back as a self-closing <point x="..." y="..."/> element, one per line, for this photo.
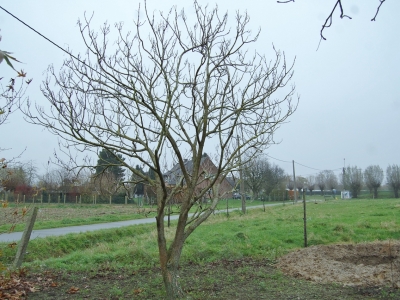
<point x="60" y="215"/>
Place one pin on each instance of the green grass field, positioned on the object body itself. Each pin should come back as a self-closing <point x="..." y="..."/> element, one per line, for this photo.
<point x="258" y="234"/>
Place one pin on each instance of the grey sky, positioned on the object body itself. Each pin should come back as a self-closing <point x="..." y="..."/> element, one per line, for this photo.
<point x="349" y="88"/>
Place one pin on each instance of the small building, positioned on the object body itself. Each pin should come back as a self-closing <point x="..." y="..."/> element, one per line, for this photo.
<point x="345" y="195"/>
<point x="207" y="171"/>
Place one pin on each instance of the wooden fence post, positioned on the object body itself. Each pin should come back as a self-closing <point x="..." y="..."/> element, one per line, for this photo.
<point x="25" y="239"/>
<point x="110" y="200"/>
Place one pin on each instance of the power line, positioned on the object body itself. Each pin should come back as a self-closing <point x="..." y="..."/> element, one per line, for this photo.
<point x="317" y="169"/>
<point x="285" y="161"/>
<point x="61" y="48"/>
<point x="278" y="159"/>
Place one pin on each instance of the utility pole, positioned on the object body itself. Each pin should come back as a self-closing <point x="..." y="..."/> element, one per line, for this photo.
<point x="295" y="186"/>
<point x="344" y="171"/>
<point x="242" y="195"/>
<point x="241" y="187"/>
<point x="304" y="220"/>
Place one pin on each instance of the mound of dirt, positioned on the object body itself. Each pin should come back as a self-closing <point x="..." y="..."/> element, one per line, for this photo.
<point x="367" y="264"/>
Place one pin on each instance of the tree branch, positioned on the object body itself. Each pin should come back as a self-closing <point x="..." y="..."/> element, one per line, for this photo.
<point x="328" y="21"/>
<point x="377" y="10"/>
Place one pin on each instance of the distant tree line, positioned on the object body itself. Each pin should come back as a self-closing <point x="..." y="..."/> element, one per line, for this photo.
<point x="262" y="177"/>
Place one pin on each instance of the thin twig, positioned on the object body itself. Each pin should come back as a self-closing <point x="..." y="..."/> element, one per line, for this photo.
<point x="377" y="10"/>
<point x="328" y="21"/>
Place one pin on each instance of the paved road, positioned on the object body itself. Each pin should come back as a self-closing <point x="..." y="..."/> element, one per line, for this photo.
<point x="16" y="236"/>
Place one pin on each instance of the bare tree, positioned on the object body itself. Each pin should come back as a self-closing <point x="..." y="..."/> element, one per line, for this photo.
<point x="301" y="183"/>
<point x="290" y="185"/>
<point x="321" y="181"/>
<point x="64" y="178"/>
<point x="14" y="176"/>
<point x="274" y="177"/>
<point x="393" y="178"/>
<point x="353" y="180"/>
<point x="311" y="183"/>
<point x="254" y="174"/>
<point x="48" y="181"/>
<point x="31" y="172"/>
<point x="373" y="177"/>
<point x="331" y="180"/>
<point x="262" y="176"/>
<point x="165" y="95"/>
<point x="107" y="184"/>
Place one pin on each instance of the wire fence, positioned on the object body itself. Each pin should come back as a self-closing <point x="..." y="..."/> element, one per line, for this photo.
<point x="77" y="198"/>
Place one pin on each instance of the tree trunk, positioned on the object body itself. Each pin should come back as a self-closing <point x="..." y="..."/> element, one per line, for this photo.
<point x="169" y="258"/>
<point x="170" y="275"/>
<point x="396" y="193"/>
<point x="375" y="193"/>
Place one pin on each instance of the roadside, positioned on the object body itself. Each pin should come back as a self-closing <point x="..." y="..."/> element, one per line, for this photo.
<point x="42" y="233"/>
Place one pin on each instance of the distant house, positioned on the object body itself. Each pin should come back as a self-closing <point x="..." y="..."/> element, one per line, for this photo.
<point x="207" y="171"/>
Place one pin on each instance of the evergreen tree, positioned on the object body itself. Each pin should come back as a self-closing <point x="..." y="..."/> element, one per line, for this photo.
<point x="110" y="162"/>
<point x="139" y="187"/>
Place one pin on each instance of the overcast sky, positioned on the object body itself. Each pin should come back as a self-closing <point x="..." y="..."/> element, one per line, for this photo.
<point x="350" y="88"/>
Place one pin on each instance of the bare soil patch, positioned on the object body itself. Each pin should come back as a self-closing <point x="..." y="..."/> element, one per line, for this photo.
<point x="366" y="264"/>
